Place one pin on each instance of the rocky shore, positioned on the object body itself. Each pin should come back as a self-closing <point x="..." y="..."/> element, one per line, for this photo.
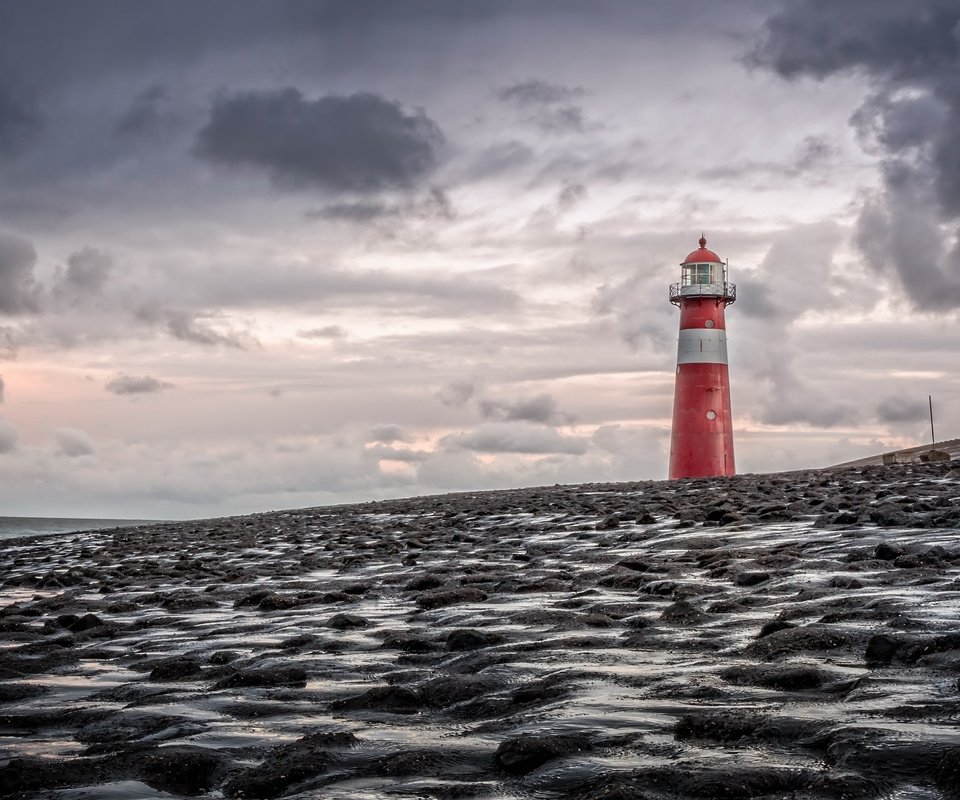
<point x="775" y="636"/>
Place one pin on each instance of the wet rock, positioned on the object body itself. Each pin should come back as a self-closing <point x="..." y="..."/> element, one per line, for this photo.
<point x="773" y="626"/>
<point x="182" y="770"/>
<point x="885" y="551"/>
<point x="424" y="582"/>
<point x="410" y="644"/>
<point x="288" y="766"/>
<point x="721" y="726"/>
<point x="449" y="690"/>
<point x="120" y="728"/>
<point x="881" y="649"/>
<point x="875" y="751"/>
<point x="525" y="753"/>
<point x="221" y="657"/>
<point x="13" y="692"/>
<point x="263" y="677"/>
<point x="176" y="669"/>
<point x="468" y="639"/>
<point x="947" y="773"/>
<point x="76" y="624"/>
<point x="802" y="639"/>
<point x="448" y="597"/>
<point x="609" y="522"/>
<point x="890" y="516"/>
<point x="411" y="762"/>
<point x="786" y="678"/>
<point x="750" y="578"/>
<point x="186" y="600"/>
<point x="342" y="622"/>
<point x="25" y="776"/>
<point x="682" y="612"/>
<point x="395" y="699"/>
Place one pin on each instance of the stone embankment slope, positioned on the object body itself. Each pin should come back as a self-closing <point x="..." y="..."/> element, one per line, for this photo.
<point x="776" y="636"/>
<point x="907" y="455"/>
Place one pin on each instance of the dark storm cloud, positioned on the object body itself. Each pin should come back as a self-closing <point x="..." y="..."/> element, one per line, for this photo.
<point x="186" y="327"/>
<point x="356" y="143"/>
<point x="538" y="93"/>
<point x="148" y="113"/>
<point x="546" y="104"/>
<point x="19" y="292"/>
<point x="19" y="120"/>
<point x="515" y="437"/>
<point x="433" y="204"/>
<point x="813" y="154"/>
<point x="84" y="277"/>
<point x="458" y="393"/>
<point x="73" y="443"/>
<point x="902" y="409"/>
<point x="133" y="384"/>
<point x="541" y="408"/>
<point x="387" y="434"/>
<point x="361" y="211"/>
<point x="911" y="54"/>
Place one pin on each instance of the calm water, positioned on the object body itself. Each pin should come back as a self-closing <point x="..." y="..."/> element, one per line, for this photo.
<point x="28" y="526"/>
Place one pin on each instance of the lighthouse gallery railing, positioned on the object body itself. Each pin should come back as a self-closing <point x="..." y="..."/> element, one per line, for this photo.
<point x="723" y="291"/>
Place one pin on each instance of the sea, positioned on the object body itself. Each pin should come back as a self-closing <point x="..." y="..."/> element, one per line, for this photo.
<point x="11" y="527"/>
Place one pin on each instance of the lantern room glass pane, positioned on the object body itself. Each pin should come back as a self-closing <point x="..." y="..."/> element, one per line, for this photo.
<point x="694" y="274"/>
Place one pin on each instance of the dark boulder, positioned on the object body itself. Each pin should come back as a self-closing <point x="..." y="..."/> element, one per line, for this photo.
<point x="525" y="753"/>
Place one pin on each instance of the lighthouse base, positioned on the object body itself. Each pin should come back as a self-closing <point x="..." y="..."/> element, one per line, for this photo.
<point x="701" y="444"/>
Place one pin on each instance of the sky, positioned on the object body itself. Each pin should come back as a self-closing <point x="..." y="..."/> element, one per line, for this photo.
<point x="289" y="253"/>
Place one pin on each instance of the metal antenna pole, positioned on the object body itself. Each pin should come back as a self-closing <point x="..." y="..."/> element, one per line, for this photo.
<point x="933" y="438"/>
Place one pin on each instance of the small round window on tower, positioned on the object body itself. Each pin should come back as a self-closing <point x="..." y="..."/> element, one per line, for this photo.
<point x="711" y="414"/>
<point x="708" y="324"/>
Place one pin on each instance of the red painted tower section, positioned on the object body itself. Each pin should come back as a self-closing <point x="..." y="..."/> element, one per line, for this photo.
<point x="701" y="445"/>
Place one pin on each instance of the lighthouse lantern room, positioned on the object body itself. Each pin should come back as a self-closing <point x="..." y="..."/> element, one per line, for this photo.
<point x="701" y="443"/>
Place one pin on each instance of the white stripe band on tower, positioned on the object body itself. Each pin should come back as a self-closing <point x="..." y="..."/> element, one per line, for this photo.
<point x="702" y="346"/>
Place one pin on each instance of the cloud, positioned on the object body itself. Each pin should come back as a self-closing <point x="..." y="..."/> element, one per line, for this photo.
<point x="639" y="326"/>
<point x="19" y="120"/>
<point x="500" y="158"/>
<point x="813" y="155"/>
<point x="387" y="434"/>
<point x="149" y="113"/>
<point x="515" y="437"/>
<point x="3" y="389"/>
<point x="458" y="393"/>
<point x="435" y="203"/>
<point x="902" y="409"/>
<point x="403" y="454"/>
<point x="19" y="292"/>
<point x="546" y="104"/>
<point x="571" y="195"/>
<point x="541" y="408"/>
<point x="911" y="55"/>
<point x="130" y="384"/>
<point x="357" y="143"/>
<point x="186" y="327"/>
<point x="535" y="92"/>
<point x="73" y="443"/>
<point x="85" y="277"/>
<point x="9" y="436"/>
<point x="360" y="211"/>
<point x="326" y="332"/>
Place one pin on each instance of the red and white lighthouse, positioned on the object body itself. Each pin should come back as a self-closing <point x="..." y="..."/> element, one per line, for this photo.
<point x="701" y="445"/>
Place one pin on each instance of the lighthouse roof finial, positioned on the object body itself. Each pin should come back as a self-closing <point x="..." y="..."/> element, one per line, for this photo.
<point x="702" y="256"/>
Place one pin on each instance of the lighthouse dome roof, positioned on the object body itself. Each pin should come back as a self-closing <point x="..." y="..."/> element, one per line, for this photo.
<point x="702" y="255"/>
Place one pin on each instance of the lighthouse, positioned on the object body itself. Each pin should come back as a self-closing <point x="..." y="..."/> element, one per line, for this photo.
<point x="701" y="444"/>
